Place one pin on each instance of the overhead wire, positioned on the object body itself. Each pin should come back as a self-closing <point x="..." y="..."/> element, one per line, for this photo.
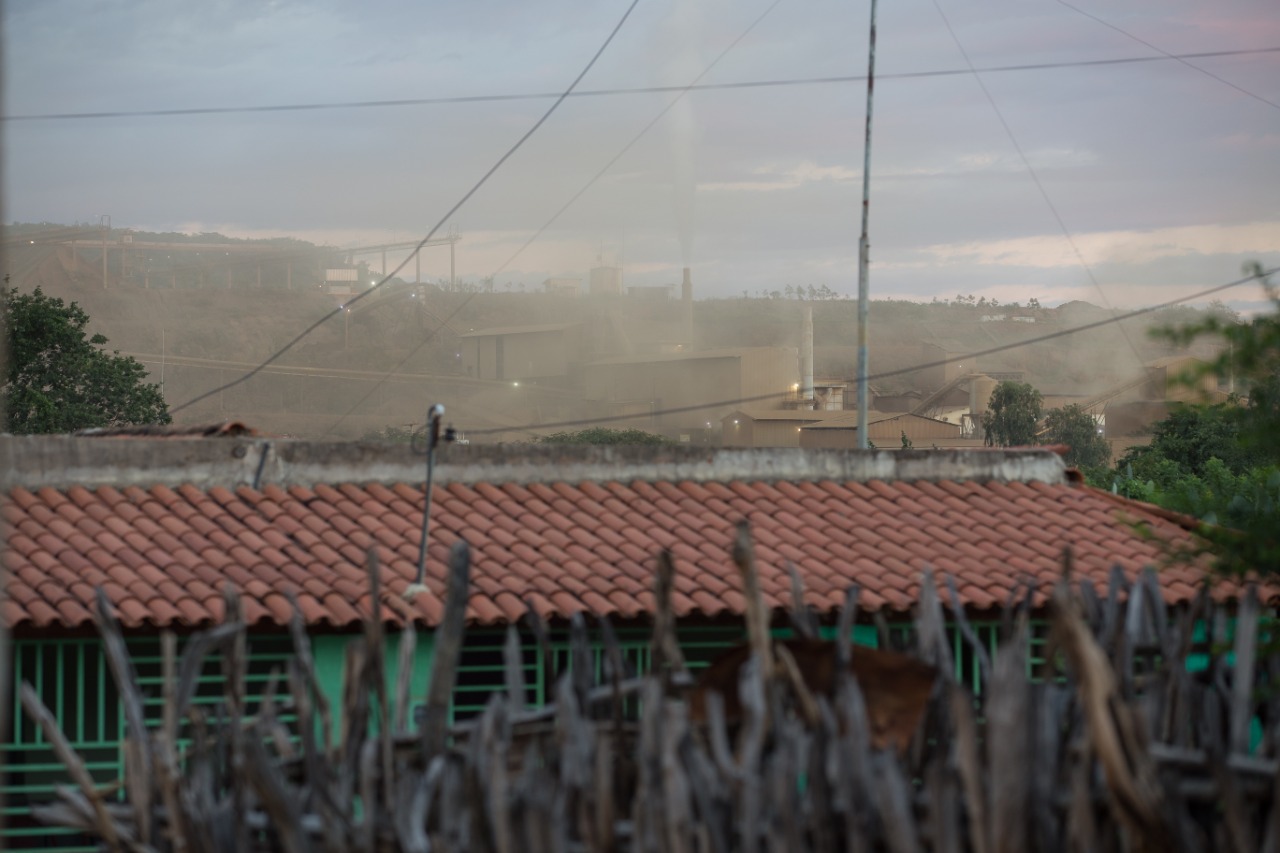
<point x="1260" y="275"/>
<point x="1035" y="177"/>
<point x="1184" y="60"/>
<point x="636" y="90"/>
<point x="440" y="224"/>
<point x="682" y="91"/>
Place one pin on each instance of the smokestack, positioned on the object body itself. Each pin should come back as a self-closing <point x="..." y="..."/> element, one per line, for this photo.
<point x="806" y="356"/>
<point x="686" y="305"/>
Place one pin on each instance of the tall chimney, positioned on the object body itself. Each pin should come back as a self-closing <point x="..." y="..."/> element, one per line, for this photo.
<point x="806" y="357"/>
<point x="686" y="306"/>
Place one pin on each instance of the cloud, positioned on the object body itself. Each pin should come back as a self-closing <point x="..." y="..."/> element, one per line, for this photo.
<point x="1109" y="247"/>
<point x="777" y="177"/>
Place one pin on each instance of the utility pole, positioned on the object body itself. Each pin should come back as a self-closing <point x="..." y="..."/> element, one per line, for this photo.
<point x="863" y="262"/>
<point x="104" y="223"/>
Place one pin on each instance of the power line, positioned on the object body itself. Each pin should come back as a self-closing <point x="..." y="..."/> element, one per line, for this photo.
<point x="448" y="215"/>
<point x="681" y="92"/>
<point x="637" y="90"/>
<point x="759" y="398"/>
<point x="1026" y="162"/>
<point x="1168" y="55"/>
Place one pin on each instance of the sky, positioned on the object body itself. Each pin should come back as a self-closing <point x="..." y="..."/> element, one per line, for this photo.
<point x="1120" y="184"/>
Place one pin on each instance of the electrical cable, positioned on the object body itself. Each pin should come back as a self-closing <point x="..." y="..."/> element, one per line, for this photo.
<point x="1169" y="55"/>
<point x="474" y="189"/>
<point x="682" y="91"/>
<point x="1044" y="194"/>
<point x="1260" y="275"/>
<point x="640" y="90"/>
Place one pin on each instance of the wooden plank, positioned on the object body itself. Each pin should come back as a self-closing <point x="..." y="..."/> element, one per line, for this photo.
<point x="844" y="627"/>
<point x="375" y="680"/>
<point x="803" y="619"/>
<point x="448" y="649"/>
<point x="931" y="629"/>
<point x="138" y="755"/>
<point x="757" y="617"/>
<point x="968" y="767"/>
<point x="1246" y="649"/>
<point x="105" y="825"/>
<point x="1008" y="712"/>
<point x="665" y="656"/>
<point x="979" y="648"/>
<point x="405" y="657"/>
<point x="1114" y="736"/>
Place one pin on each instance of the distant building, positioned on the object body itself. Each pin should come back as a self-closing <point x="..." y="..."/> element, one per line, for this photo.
<point x="605" y="281"/>
<point x="651" y="292"/>
<point x="769" y="427"/>
<point x="884" y="432"/>
<point x="646" y="386"/>
<point x="563" y="286"/>
<point x="341" y="282"/>
<point x="521" y="352"/>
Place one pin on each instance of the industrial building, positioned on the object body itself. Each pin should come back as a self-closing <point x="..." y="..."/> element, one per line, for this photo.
<point x="515" y="353"/>
<point x="649" y="386"/>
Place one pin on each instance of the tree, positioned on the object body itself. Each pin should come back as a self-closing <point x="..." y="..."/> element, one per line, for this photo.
<point x="1012" y="415"/>
<point x="600" y="435"/>
<point x="1073" y="426"/>
<point x="1187" y="439"/>
<point x="60" y="380"/>
<point x="1222" y="463"/>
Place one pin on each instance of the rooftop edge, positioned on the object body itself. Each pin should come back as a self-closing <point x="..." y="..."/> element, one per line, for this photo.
<point x="62" y="461"/>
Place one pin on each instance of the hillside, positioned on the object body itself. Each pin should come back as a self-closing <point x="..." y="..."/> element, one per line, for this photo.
<point x="199" y="324"/>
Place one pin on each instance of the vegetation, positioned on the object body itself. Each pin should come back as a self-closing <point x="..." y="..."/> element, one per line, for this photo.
<point x="389" y="435"/>
<point x="600" y="435"/>
<point x="61" y="380"/>
<point x="1013" y="415"/>
<point x="1221" y="463"/>
<point x="1073" y="426"/>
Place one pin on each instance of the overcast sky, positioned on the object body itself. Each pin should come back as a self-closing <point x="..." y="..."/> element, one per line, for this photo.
<point x="1165" y="178"/>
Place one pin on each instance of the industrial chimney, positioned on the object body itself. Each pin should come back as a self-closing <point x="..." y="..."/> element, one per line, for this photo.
<point x="806" y="359"/>
<point x="686" y="306"/>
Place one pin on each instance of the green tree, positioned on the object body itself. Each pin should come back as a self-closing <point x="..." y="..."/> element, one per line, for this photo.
<point x="1187" y="439"/>
<point x="61" y="380"/>
<point x="600" y="435"/>
<point x="1222" y="463"/>
<point x="1012" y="415"/>
<point x="1073" y="426"/>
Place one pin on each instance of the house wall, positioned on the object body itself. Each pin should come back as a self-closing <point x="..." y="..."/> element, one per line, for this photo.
<point x="885" y="434"/>
<point x="753" y="432"/>
<point x="923" y="429"/>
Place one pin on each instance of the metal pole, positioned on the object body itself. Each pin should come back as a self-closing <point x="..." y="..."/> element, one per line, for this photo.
<point x="453" y="283"/>
<point x="863" y="263"/>
<point x="434" y="416"/>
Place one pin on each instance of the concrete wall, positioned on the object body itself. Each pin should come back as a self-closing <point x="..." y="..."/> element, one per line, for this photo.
<point x="34" y="462"/>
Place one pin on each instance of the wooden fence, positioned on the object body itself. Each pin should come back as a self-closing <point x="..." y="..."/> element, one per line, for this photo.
<point x="1143" y="730"/>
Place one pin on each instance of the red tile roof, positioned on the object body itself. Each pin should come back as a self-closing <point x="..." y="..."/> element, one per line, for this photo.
<point x="163" y="554"/>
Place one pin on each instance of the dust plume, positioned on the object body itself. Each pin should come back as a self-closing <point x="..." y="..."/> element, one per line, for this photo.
<point x="681" y="39"/>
